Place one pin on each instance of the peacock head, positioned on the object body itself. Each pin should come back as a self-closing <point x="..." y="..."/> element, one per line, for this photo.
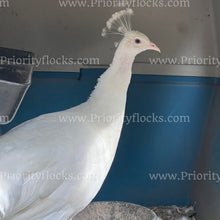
<point x="134" y="42"/>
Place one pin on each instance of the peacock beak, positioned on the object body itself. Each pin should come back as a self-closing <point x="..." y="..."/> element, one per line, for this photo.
<point x="154" y="47"/>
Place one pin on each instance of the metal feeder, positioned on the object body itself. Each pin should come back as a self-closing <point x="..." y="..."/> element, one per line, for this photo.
<point x="15" y="78"/>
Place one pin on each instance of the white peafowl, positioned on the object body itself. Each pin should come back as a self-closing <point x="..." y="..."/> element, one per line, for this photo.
<point x="50" y="169"/>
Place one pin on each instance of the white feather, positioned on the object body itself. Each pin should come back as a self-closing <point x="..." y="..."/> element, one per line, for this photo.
<point x="45" y="145"/>
<point x="119" y="23"/>
<point x="80" y="149"/>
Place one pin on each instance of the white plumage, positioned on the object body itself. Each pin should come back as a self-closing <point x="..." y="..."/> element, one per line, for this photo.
<point x="51" y="169"/>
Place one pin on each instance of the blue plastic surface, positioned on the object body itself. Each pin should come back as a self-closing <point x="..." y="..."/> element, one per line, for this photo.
<point x="144" y="147"/>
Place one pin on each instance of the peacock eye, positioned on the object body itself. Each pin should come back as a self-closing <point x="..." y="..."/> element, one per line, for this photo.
<point x="137" y="41"/>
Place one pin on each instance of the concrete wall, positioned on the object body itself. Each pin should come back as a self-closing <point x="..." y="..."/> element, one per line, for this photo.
<point x="47" y="29"/>
<point x="216" y="8"/>
<point x="207" y="193"/>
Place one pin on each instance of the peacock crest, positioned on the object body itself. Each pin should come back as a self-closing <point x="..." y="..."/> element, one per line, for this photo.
<point x="119" y="23"/>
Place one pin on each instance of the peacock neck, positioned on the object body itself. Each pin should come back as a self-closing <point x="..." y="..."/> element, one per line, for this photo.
<point x="110" y="94"/>
<point x="123" y="61"/>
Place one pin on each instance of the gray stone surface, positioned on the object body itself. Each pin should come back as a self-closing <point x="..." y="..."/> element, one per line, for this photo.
<point x="175" y="213"/>
<point x="115" y="211"/>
